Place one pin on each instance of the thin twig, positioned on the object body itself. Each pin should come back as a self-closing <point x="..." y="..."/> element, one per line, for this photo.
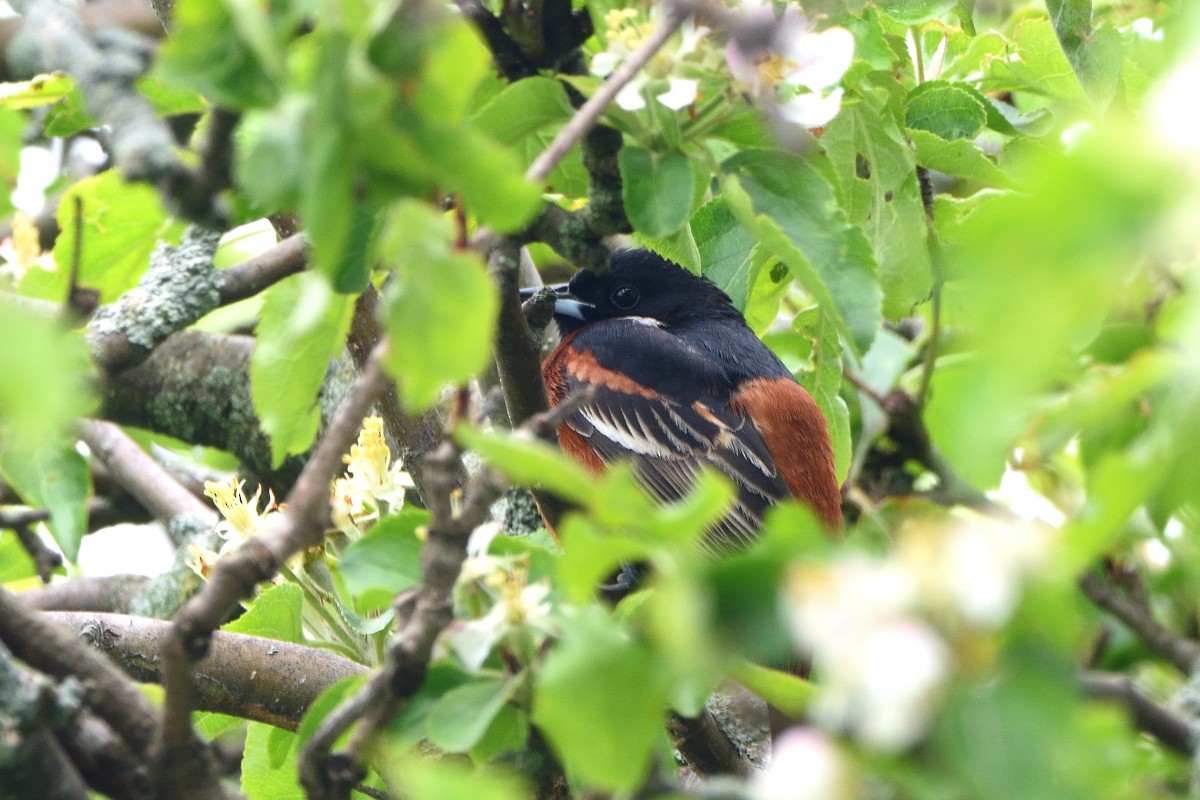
<point x="1180" y="651"/>
<point x="592" y="110"/>
<point x="1147" y="715"/>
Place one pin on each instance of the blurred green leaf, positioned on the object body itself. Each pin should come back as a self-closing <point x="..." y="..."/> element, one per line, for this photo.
<point x="507" y="734"/>
<point x="793" y="211"/>
<point x="15" y="562"/>
<point x="657" y="189"/>
<point x="121" y="223"/>
<point x="440" y="309"/>
<point x="599" y="700"/>
<point x="522" y="108"/>
<point x="260" y="779"/>
<point x="269" y="153"/>
<point x="325" y="704"/>
<point x="274" y="614"/>
<point x="217" y="50"/>
<point x="431" y="779"/>
<point x="302" y="327"/>
<point x="783" y="690"/>
<point x="51" y="474"/>
<point x="530" y="462"/>
<point x="462" y="715"/>
<point x="388" y="557"/>
<point x="39" y="91"/>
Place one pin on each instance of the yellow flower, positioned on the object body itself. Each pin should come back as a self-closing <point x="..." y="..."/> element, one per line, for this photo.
<point x="200" y="560"/>
<point x="242" y="517"/>
<point x="372" y="485"/>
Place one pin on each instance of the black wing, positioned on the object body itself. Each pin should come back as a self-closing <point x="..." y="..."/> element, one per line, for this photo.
<point x="675" y="418"/>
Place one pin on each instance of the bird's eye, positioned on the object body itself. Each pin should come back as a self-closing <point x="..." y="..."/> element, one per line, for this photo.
<point x="625" y="297"/>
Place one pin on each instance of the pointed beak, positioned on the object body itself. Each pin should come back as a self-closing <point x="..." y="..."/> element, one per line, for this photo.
<point x="565" y="304"/>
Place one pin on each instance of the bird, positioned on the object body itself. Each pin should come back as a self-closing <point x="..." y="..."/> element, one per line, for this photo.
<point x="678" y="382"/>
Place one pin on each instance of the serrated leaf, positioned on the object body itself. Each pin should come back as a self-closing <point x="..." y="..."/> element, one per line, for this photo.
<point x="877" y="172"/>
<point x="725" y="250"/>
<point x="121" y="225"/>
<point x="522" y="108"/>
<point x="1095" y="53"/>
<point x="960" y="157"/>
<point x="51" y="474"/>
<point x="462" y="715"/>
<point x="302" y="327"/>
<point x="656" y="188"/>
<point x="274" y="614"/>
<point x="388" y="558"/>
<point x="599" y="700"/>
<point x="440" y="308"/>
<point x="794" y="213"/>
<point x="1038" y="64"/>
<point x="824" y="383"/>
<point x="945" y="109"/>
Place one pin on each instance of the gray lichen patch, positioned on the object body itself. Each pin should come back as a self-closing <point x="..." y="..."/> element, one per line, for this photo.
<point x="180" y="287"/>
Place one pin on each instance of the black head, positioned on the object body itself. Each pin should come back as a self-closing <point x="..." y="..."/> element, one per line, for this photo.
<point x="641" y="284"/>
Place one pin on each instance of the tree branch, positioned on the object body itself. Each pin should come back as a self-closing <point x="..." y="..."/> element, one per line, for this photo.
<point x="264" y="680"/>
<point x="1147" y="715"/>
<point x="1181" y="652"/>
<point x="53" y="650"/>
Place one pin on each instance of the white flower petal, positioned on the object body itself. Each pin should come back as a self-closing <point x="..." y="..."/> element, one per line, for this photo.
<point x="681" y="94"/>
<point x="604" y="63"/>
<point x="805" y="765"/>
<point x="821" y="59"/>
<point x="630" y="97"/>
<point x="812" y="110"/>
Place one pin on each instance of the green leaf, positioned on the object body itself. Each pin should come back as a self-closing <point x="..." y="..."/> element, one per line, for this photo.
<point x="489" y="177"/>
<point x="39" y="91"/>
<point x="388" y="558"/>
<point x="1039" y="64"/>
<point x="824" y="382"/>
<point x="15" y="562"/>
<point x="945" y="109"/>
<point x="523" y="108"/>
<point x="302" y="327"/>
<point x="440" y="309"/>
<point x="1095" y="54"/>
<point x="279" y="745"/>
<point x="599" y="700"/>
<point x="877" y="173"/>
<point x="785" y="691"/>
<point x="50" y="474"/>
<point x="12" y="126"/>
<point x="429" y="779"/>
<point x="261" y="780"/>
<point x="530" y="462"/>
<point x="794" y="213"/>
<point x="462" y="715"/>
<point x="656" y="188"/>
<point x="325" y="704"/>
<point x="960" y="157"/>
<point x="507" y="734"/>
<point x="207" y="51"/>
<point x="914" y="12"/>
<point x="269" y="152"/>
<point x="454" y="65"/>
<point x="121" y="224"/>
<point x="725" y="247"/>
<point x="274" y="614"/>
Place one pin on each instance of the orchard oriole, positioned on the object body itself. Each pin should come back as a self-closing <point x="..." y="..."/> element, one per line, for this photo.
<point x="679" y="382"/>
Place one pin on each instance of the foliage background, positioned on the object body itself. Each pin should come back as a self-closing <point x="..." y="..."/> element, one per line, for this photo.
<point x="982" y="267"/>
